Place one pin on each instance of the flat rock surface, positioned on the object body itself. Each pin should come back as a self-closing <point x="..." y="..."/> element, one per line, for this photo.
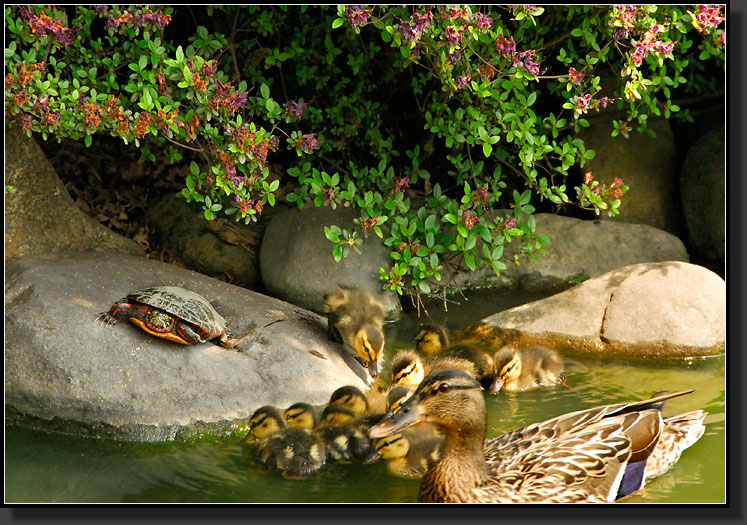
<point x="62" y="366"/>
<point x="652" y="310"/>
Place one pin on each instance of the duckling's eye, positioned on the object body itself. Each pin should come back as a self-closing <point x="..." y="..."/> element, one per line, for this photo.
<point x="443" y="387"/>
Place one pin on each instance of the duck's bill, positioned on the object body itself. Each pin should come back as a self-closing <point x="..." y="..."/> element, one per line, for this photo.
<point x="408" y="416"/>
<point x="496" y="385"/>
<point x="373" y="369"/>
<point x="372" y="458"/>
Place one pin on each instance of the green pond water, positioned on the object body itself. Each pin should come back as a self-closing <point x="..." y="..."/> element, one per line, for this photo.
<point x="55" y="468"/>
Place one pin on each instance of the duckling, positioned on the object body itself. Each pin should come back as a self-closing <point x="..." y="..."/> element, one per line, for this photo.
<point x="408" y="454"/>
<point x="356" y="318"/>
<point x="296" y="451"/>
<point x="301" y="415"/>
<point x="396" y="397"/>
<point x="433" y="340"/>
<point x="597" y="454"/>
<point x="344" y="440"/>
<point x="350" y="397"/>
<point x="409" y="369"/>
<point x="519" y="369"/>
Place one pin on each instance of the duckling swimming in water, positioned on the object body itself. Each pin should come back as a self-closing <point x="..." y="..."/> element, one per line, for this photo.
<point x="344" y="440"/>
<point x="597" y="454"/>
<point x="519" y="369"/>
<point x="296" y="451"/>
<point x="409" y="368"/>
<point x="408" y="454"/>
<point x="356" y="318"/>
<point x="433" y="340"/>
<point x="302" y="415"/>
<point x="350" y="397"/>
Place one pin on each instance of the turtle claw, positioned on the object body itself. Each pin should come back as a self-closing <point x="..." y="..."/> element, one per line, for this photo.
<point x="105" y="318"/>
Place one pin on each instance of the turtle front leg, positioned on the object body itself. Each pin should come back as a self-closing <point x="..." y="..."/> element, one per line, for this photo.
<point x="116" y="313"/>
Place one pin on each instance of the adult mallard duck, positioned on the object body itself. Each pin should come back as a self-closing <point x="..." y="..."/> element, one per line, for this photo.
<point x="593" y="455"/>
<point x="296" y="451"/>
<point x="356" y="318"/>
<point x="519" y="369"/>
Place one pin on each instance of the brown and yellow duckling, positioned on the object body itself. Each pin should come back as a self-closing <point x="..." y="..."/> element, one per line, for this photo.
<point x="368" y="408"/>
<point x="432" y="340"/>
<point x="519" y="369"/>
<point x="593" y="455"/>
<point x="296" y="451"/>
<point x="409" y="368"/>
<point x="397" y="396"/>
<point x="408" y="454"/>
<point x="356" y="318"/>
<point x="302" y="415"/>
<point x="344" y="440"/>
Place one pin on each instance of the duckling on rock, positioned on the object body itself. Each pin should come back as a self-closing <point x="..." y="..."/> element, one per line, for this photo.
<point x="597" y="454"/>
<point x="296" y="451"/>
<point x="433" y="340"/>
<point x="408" y="454"/>
<point x="519" y="369"/>
<point x="356" y="318"/>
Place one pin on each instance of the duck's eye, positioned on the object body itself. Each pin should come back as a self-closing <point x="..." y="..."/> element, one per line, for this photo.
<point x="443" y="387"/>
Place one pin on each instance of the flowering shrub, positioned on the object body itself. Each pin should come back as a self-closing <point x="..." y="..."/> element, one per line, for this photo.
<point x="428" y="120"/>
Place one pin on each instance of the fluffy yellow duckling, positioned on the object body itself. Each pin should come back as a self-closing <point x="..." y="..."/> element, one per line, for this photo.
<point x="356" y="318"/>
<point x="519" y="369"/>
<point x="301" y="415"/>
<point x="343" y="439"/>
<point x="296" y="451"/>
<point x="408" y="454"/>
<point x="433" y="340"/>
<point x="396" y="397"/>
<point x="597" y="454"/>
<point x="409" y="369"/>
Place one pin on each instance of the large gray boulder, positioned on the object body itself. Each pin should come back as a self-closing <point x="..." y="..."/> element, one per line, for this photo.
<point x="703" y="191"/>
<point x="40" y="215"/>
<point x="654" y="310"/>
<point x="66" y="371"/>
<point x="579" y="248"/>
<point x="221" y="247"/>
<point x="296" y="259"/>
<point x="648" y="165"/>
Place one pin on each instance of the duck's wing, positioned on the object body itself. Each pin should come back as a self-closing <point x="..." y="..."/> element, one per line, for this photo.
<point x="580" y="456"/>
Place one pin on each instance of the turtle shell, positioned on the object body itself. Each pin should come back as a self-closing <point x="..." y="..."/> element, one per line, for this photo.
<point x="184" y="304"/>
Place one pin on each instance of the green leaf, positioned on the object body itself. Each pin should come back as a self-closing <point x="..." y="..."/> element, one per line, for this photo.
<point x="265" y="90"/>
<point x="450" y="218"/>
<point x="487" y="149"/>
<point x="337" y="22"/>
<point x="424" y="287"/>
<point x="337" y="252"/>
<point x="88" y="140"/>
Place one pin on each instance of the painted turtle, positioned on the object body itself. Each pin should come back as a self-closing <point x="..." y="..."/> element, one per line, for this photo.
<point x="172" y="313"/>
